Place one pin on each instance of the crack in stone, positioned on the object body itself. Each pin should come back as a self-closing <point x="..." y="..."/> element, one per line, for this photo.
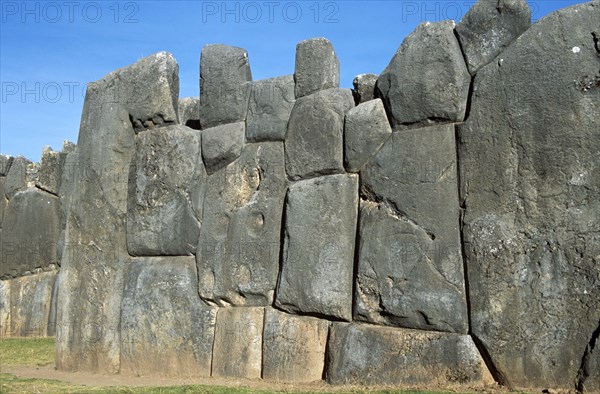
<point x="585" y="368"/>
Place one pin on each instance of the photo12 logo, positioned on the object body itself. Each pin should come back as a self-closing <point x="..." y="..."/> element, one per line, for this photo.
<point x="69" y="12"/>
<point x="269" y="11"/>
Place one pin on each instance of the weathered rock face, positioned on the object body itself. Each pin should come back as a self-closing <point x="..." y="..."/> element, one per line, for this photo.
<point x="165" y="327"/>
<point x="370" y="355"/>
<point x="317" y="67"/>
<point x="224" y="85"/>
<point x="364" y="87"/>
<point x="189" y="112"/>
<point x="49" y="172"/>
<point x="5" y="163"/>
<point x="365" y="131"/>
<point x="30" y="304"/>
<point x="166" y="192"/>
<point x="314" y="144"/>
<point x="293" y="347"/>
<point x="318" y="255"/>
<point x="4" y="308"/>
<point x="222" y="144"/>
<point x="409" y="245"/>
<point x="16" y="177"/>
<point x="238" y="336"/>
<point x="95" y="259"/>
<point x="3" y="200"/>
<point x="427" y="80"/>
<point x="30" y="233"/>
<point x="530" y="184"/>
<point x="271" y="102"/>
<point x="489" y="27"/>
<point x="238" y="252"/>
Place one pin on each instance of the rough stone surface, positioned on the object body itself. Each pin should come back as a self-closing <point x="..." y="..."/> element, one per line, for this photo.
<point x="369" y="355"/>
<point x="317" y="67"/>
<point x="238" y="252"/>
<point x="314" y="144"/>
<point x="413" y="276"/>
<point x="427" y="80"/>
<point x="31" y="230"/>
<point x="365" y="131"/>
<point x="189" y="112"/>
<point x="30" y="298"/>
<point x="293" y="347"/>
<point x="489" y="27"/>
<point x="4" y="308"/>
<point x="5" y="163"/>
<point x="16" y="177"/>
<point x="166" y="329"/>
<point x="530" y="185"/>
<point x="237" y="351"/>
<point x="166" y="192"/>
<point x="318" y="254"/>
<point x="49" y="171"/>
<point x="224" y="85"/>
<point x="95" y="260"/>
<point x="364" y="87"/>
<point x="3" y="201"/>
<point x="271" y="102"/>
<point x="222" y="144"/>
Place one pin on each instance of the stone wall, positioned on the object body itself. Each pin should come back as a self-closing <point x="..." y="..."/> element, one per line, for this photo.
<point x="437" y="225"/>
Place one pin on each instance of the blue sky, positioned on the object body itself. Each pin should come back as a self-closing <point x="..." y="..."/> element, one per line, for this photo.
<point x="49" y="50"/>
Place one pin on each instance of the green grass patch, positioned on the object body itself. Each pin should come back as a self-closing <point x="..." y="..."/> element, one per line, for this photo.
<point x="26" y="352"/>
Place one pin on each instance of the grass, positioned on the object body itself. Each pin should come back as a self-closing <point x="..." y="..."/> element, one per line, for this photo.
<point x="16" y="352"/>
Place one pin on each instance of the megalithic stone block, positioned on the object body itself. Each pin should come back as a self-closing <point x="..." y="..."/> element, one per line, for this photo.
<point x="5" y="163"/>
<point x="271" y="102"/>
<point x="222" y="144"/>
<point x="4" y="307"/>
<point x="17" y="176"/>
<point x="314" y="144"/>
<point x="364" y="87"/>
<point x="225" y="78"/>
<point x="318" y="256"/>
<point x="49" y="172"/>
<point x="427" y="80"/>
<point x="489" y="27"/>
<point x="166" y="330"/>
<point x="317" y="67"/>
<point x="189" y="112"/>
<point x="166" y="192"/>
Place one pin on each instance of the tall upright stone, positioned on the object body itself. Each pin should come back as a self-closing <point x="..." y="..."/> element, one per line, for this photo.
<point x="410" y="268"/>
<point x="318" y="250"/>
<point x="489" y="27"/>
<point x="16" y="177"/>
<point x="427" y="80"/>
<point x="238" y="250"/>
<point x="166" y="329"/>
<point x="317" y="67"/>
<point x="530" y="185"/>
<point x="166" y="193"/>
<point x="225" y="78"/>
<point x="95" y="260"/>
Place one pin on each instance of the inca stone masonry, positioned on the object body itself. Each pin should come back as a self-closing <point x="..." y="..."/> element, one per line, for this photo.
<point x="438" y="224"/>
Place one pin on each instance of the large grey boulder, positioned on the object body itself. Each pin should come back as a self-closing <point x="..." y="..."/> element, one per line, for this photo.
<point x="5" y="163"/>
<point x="31" y="230"/>
<point x="365" y="131"/>
<point x="222" y="144"/>
<point x="427" y="80"/>
<point x="314" y="144"/>
<point x="50" y="171"/>
<point x="166" y="191"/>
<point x="30" y="299"/>
<point x="238" y="251"/>
<point x="293" y="347"/>
<point x="317" y="67"/>
<point x="166" y="329"/>
<point x="95" y="259"/>
<point x="17" y="176"/>
<point x="364" y="87"/>
<point x="489" y="27"/>
<point x="271" y="102"/>
<point x="530" y="185"/>
<point x="318" y="256"/>
<point x="409" y="245"/>
<point x="369" y="355"/>
<point x="4" y="308"/>
<point x="224" y="85"/>
<point x="237" y="350"/>
<point x="189" y="112"/>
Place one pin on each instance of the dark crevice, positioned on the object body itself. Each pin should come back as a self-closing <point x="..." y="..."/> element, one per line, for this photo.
<point x="292" y="311"/>
<point x="326" y="356"/>
<point x="472" y="74"/>
<point x="596" y="38"/>
<point x="193" y="124"/>
<point x="281" y="248"/>
<point x="356" y="255"/>
<point x="151" y="122"/>
<point x="45" y="190"/>
<point x="497" y="374"/>
<point x="585" y="368"/>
